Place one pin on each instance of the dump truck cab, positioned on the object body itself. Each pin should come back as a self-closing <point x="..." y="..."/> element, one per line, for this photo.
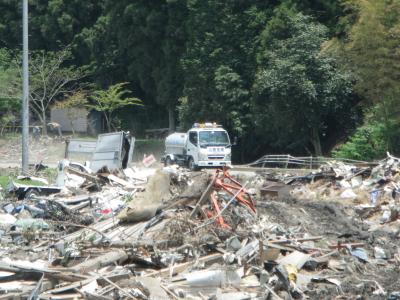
<point x="204" y="145"/>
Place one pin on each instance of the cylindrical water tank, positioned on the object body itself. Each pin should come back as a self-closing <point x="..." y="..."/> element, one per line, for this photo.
<point x="175" y="143"/>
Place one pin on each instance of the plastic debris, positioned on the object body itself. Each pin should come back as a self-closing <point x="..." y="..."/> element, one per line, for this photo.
<point x="31" y="224"/>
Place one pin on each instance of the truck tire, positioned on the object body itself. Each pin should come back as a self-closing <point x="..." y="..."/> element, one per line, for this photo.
<point x="191" y="164"/>
<point x="31" y="193"/>
<point x="168" y="161"/>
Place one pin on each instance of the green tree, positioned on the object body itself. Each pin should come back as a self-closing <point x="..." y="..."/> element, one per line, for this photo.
<point x="370" y="50"/>
<point x="298" y="91"/>
<point x="53" y="24"/>
<point x="219" y="61"/>
<point x="51" y="81"/>
<point x="10" y="93"/>
<point x="326" y="12"/>
<point x="70" y="105"/>
<point x="107" y="101"/>
<point x="367" y="143"/>
<point x="212" y="55"/>
<point x="378" y="134"/>
<point x="387" y="114"/>
<point x="145" y="40"/>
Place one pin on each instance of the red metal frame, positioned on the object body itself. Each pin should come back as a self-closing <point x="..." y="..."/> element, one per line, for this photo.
<point x="225" y="181"/>
<point x="220" y="220"/>
<point x="222" y="180"/>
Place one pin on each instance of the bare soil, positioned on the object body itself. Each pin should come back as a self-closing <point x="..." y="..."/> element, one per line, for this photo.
<point x="337" y="223"/>
<point x="49" y="150"/>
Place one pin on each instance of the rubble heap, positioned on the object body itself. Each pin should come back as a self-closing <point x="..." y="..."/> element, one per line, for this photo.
<point x="175" y="234"/>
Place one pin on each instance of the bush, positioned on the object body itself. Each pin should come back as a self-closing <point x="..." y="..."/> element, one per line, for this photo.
<point x="367" y="143"/>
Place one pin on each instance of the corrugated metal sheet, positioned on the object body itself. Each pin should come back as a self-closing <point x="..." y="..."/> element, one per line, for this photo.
<point x="63" y="117"/>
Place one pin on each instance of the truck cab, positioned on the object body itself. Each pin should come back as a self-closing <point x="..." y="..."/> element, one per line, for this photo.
<point x="204" y="145"/>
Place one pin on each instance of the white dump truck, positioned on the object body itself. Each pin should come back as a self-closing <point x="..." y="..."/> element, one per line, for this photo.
<point x="204" y="145"/>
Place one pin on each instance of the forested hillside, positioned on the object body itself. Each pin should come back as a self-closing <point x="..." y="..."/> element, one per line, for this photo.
<point x="289" y="76"/>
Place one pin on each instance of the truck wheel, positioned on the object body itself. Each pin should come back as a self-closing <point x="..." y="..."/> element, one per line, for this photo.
<point x="191" y="164"/>
<point x="30" y="194"/>
<point x="168" y="161"/>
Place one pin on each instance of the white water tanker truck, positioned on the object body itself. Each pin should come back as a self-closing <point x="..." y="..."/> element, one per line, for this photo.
<point x="204" y="145"/>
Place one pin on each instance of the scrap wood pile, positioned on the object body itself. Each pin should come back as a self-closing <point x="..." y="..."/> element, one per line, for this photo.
<point x="174" y="234"/>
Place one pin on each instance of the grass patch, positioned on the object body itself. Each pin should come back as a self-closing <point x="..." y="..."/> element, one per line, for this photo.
<point x="49" y="173"/>
<point x="8" y="174"/>
<point x="4" y="180"/>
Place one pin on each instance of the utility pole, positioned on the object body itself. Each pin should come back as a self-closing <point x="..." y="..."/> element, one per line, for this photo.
<point x="25" y="92"/>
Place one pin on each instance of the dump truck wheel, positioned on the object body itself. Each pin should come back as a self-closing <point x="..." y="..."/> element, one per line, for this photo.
<point x="191" y="164"/>
<point x="168" y="161"/>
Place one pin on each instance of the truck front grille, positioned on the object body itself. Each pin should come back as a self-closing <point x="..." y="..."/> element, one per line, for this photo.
<point x="215" y="157"/>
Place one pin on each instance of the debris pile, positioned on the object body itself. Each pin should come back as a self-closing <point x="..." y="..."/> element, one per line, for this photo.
<point x="372" y="190"/>
<point x="174" y="234"/>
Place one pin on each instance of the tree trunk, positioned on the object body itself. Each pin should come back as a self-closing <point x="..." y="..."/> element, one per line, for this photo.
<point x="108" y="122"/>
<point x="44" y="123"/>
<point x="71" y="122"/>
<point x="72" y="128"/>
<point x="171" y="119"/>
<point x="316" y="142"/>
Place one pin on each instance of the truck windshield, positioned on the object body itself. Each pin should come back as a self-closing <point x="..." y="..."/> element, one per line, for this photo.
<point x="213" y="138"/>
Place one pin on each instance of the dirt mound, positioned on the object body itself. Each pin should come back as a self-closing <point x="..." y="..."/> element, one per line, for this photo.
<point x="338" y="224"/>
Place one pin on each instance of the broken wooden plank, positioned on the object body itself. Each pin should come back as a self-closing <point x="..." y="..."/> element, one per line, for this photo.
<point x="102" y="226"/>
<point x="120" y="181"/>
<point x="75" y="199"/>
<point x="37" y="272"/>
<point x="71" y="296"/>
<point x="345" y="245"/>
<point x="116" y="277"/>
<point x="67" y="288"/>
<point x="93" y="296"/>
<point x="117" y="287"/>
<point x="280" y="247"/>
<point x="79" y="206"/>
<point x="100" y="261"/>
<point x="36" y="291"/>
<point x="204" y="197"/>
<point x="88" y="177"/>
<point x="209" y="259"/>
<point x="286" y="241"/>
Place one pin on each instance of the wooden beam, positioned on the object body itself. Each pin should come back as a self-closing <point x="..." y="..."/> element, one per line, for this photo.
<point x="183" y="266"/>
<point x="204" y="197"/>
<point x="100" y="261"/>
